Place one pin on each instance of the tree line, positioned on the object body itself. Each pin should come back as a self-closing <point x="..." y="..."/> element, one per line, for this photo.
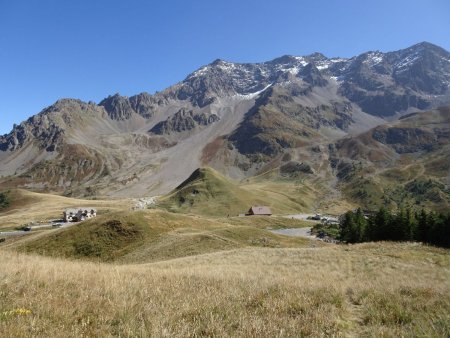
<point x="405" y="225"/>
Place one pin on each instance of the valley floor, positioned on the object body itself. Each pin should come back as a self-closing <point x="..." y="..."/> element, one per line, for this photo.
<point x="368" y="290"/>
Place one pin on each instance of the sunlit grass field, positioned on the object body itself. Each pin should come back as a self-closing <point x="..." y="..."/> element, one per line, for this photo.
<point x="368" y="290"/>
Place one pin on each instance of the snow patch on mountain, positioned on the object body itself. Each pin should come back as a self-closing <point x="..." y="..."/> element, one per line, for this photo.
<point x="251" y="95"/>
<point x="373" y="59"/>
<point x="406" y="62"/>
<point x="325" y="64"/>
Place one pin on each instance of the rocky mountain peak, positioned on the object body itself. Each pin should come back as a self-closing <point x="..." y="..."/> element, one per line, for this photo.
<point x="67" y="105"/>
<point x="411" y="75"/>
<point x="316" y="56"/>
<point x="425" y="47"/>
<point x="218" y="62"/>
<point x="118" y="107"/>
<point x="285" y="60"/>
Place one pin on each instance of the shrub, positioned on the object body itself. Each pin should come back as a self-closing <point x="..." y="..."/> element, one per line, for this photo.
<point x="4" y="200"/>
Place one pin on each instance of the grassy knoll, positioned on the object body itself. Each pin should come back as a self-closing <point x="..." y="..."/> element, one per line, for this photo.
<point x="156" y="235"/>
<point x="366" y="290"/>
<point x="207" y="192"/>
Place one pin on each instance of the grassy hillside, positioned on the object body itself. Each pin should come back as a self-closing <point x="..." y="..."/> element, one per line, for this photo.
<point x="207" y="192"/>
<point x="401" y="164"/>
<point x="156" y="235"/>
<point x="156" y="273"/>
<point x="403" y="186"/>
<point x="26" y="206"/>
<point x="382" y="290"/>
<point x="311" y="193"/>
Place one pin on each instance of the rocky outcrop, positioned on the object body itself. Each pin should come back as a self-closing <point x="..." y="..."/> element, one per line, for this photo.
<point x="406" y="140"/>
<point x="47" y="129"/>
<point x="311" y="74"/>
<point x="121" y="108"/>
<point x="118" y="107"/>
<point x="184" y="120"/>
<point x="279" y="121"/>
<point x="293" y="169"/>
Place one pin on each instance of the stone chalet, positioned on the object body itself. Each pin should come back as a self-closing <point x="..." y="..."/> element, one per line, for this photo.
<point x="259" y="210"/>
<point x="79" y="214"/>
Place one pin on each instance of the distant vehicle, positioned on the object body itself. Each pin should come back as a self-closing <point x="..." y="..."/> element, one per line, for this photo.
<point x="28" y="228"/>
<point x="316" y="218"/>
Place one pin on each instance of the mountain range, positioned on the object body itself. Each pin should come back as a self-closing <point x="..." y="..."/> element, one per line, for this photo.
<point x="372" y="129"/>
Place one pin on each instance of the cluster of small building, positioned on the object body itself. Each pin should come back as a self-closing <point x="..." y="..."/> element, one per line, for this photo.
<point x="78" y="214"/>
<point x="325" y="219"/>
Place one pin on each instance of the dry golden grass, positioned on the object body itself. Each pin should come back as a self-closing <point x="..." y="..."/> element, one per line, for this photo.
<point x="213" y="277"/>
<point x="29" y="206"/>
<point x="369" y="290"/>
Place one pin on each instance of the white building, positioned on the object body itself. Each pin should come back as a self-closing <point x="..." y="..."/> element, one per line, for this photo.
<point x="78" y="214"/>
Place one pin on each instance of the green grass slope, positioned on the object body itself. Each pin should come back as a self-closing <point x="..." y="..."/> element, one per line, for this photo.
<point x="146" y="236"/>
<point x="207" y="192"/>
<point x="104" y="238"/>
<point x="403" y="164"/>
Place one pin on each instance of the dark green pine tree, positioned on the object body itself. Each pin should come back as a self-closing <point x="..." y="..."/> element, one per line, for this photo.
<point x="432" y="233"/>
<point x="346" y="226"/>
<point x="446" y="231"/>
<point x="409" y="225"/>
<point x="378" y="226"/>
<point x="440" y="230"/>
<point x="353" y="227"/>
<point x="360" y="226"/>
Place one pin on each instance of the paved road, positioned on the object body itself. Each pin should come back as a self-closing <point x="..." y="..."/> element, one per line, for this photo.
<point x="295" y="232"/>
<point x="36" y="227"/>
<point x="300" y="216"/>
<point x="13" y="233"/>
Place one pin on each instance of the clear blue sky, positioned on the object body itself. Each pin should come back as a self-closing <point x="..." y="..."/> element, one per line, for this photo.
<point x="88" y="49"/>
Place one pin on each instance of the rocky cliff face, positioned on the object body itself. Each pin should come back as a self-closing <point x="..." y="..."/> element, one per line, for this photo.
<point x="122" y="108"/>
<point x="386" y="83"/>
<point x="47" y="129"/>
<point x="184" y="120"/>
<point x="381" y="83"/>
<point x="406" y="140"/>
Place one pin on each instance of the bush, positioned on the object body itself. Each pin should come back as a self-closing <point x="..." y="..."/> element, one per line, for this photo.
<point x="4" y="200"/>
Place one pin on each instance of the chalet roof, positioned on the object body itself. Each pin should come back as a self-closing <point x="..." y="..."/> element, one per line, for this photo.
<point x="260" y="210"/>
